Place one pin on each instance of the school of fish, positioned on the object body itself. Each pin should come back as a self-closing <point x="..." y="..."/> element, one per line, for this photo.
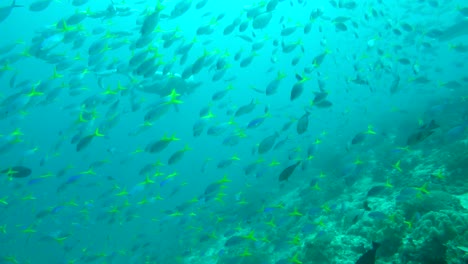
<point x="203" y="131"/>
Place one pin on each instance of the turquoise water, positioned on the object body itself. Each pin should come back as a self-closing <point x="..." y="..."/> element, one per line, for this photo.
<point x="233" y="131"/>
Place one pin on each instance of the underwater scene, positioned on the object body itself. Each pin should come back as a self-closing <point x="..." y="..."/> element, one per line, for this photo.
<point x="234" y="132"/>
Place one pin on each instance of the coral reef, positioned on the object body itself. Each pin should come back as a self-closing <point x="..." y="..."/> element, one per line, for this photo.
<point x="433" y="235"/>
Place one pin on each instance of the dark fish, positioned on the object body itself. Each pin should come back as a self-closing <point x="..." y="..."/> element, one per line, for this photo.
<point x="369" y="256"/>
<point x="303" y="123"/>
<point x="250" y="168"/>
<point x="219" y="95"/>
<point x="376" y="190"/>
<point x="271" y="5"/>
<point x="211" y="190"/>
<point x="39" y="5"/>
<point x="463" y="11"/>
<point x="297" y="90"/>
<point x="376" y="215"/>
<point x="456" y="30"/>
<point x="456" y="133"/>
<point x="286" y="173"/>
<point x="406" y="194"/>
<point x="395" y="86"/>
<point x="287" y="125"/>
<point x="267" y="143"/>
<point x="229" y="29"/>
<point x="17" y="172"/>
<point x="341" y="27"/>
<point x="245" y="109"/>
<point x="348" y="5"/>
<point x="243" y="26"/>
<point x="404" y="61"/>
<point x="360" y="80"/>
<point x="84" y="142"/>
<point x="280" y="143"/>
<point x="175" y="157"/>
<point x="323" y="104"/>
<point x="366" y="206"/>
<point x="201" y="4"/>
<point x="5" y="11"/>
<point x="79" y="2"/>
<point x="358" y="138"/>
<point x="180" y="8"/>
<point x="272" y="87"/>
<point x="262" y="20"/>
<point x="43" y="213"/>
<point x="317" y="61"/>
<point x="157" y="146"/>
<point x="320" y="96"/>
<point x="246" y="38"/>
<point x="234" y="240"/>
<point x="231" y="140"/>
<point x="424" y="132"/>
<point x="224" y="163"/>
<point x="198" y="127"/>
